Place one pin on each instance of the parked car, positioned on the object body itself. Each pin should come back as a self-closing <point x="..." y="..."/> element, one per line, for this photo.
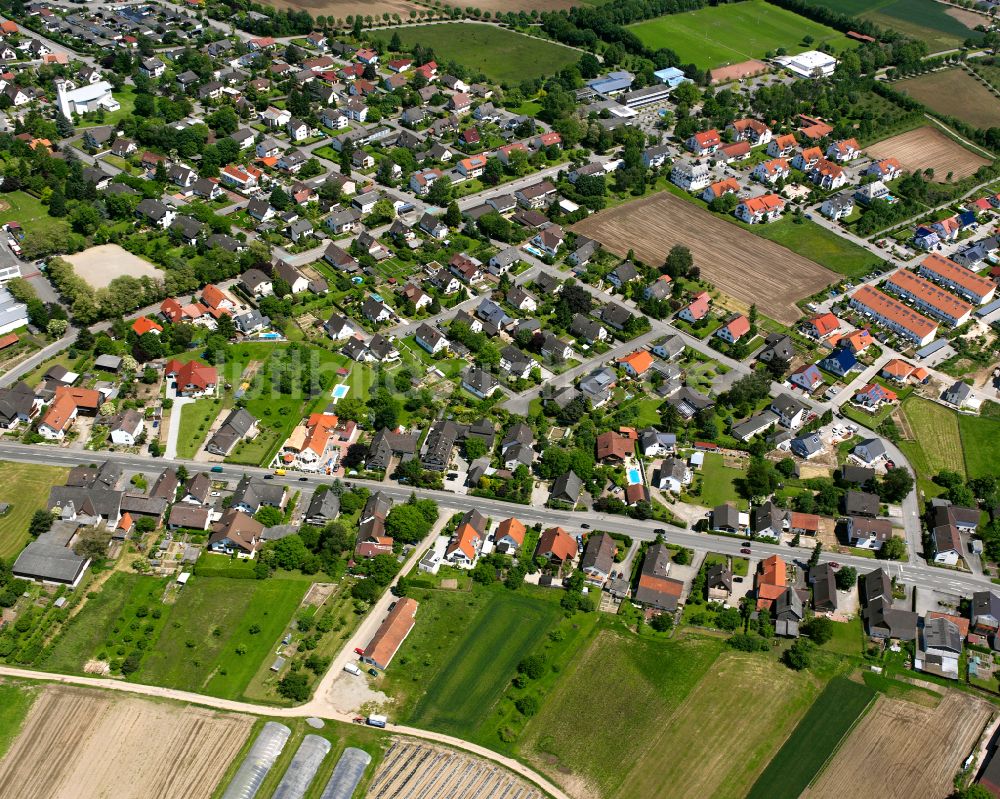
<point x="585" y="526"/>
<point x="745" y="551"/>
<point x="660" y="531"/>
<point x="373" y="672"/>
<point x="358" y="650"/>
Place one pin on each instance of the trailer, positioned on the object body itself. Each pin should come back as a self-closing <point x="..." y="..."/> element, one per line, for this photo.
<point x="377" y="721"/>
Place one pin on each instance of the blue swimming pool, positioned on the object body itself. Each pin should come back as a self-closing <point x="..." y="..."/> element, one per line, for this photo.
<point x="341" y="391"/>
<point x="634" y="476"/>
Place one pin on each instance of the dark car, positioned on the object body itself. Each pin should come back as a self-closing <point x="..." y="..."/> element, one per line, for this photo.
<point x="373" y="672"/>
<point x="660" y="531"/>
<point x="303" y="479"/>
<point x="585" y="526"/>
<point x="745" y="551"/>
<point x="268" y="476"/>
<point x="748" y="543"/>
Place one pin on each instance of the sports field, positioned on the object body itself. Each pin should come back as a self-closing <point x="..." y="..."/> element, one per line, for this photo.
<point x="477" y="662"/>
<point x="702" y="729"/>
<point x="727" y="34"/>
<point x="814" y="740"/>
<point x="501" y="55"/>
<point x="25" y="487"/>
<point x="956" y="93"/>
<point x="941" y="26"/>
<point x="612" y="705"/>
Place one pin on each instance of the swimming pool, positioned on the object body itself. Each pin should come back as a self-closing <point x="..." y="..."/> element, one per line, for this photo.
<point x="634" y="476"/>
<point x="341" y="391"/>
<point x="270" y="336"/>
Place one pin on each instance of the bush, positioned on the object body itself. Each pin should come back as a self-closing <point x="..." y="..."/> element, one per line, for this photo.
<point x="745" y="642"/>
<point x="662" y="623"/>
<point x="799" y="655"/>
<point x="819" y="629"/>
<point x="533" y="666"/>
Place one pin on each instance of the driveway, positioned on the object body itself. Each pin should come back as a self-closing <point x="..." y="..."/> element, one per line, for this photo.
<point x="175" y="425"/>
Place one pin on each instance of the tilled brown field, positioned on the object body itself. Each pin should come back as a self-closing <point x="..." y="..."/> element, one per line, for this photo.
<point x="901" y="750"/>
<point x="410" y="770"/>
<point x="744" y="266"/>
<point x="82" y="744"/>
<point x="928" y="148"/>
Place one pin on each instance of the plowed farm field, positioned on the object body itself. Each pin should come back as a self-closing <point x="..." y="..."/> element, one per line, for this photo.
<point x="82" y="744"/>
<point x="918" y="750"/>
<point x="744" y="266"/>
<point x="928" y="148"/>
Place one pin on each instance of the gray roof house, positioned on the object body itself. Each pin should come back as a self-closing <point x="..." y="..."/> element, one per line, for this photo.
<point x="50" y="558"/>
<point x="567" y="488"/>
<point x="239" y="425"/>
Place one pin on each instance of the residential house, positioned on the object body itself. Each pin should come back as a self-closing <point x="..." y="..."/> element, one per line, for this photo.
<point x="655" y="590"/>
<point x="598" y="558"/>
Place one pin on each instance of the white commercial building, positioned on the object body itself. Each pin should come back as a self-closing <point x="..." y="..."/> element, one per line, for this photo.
<point x="810" y="64"/>
<point x="90" y="97"/>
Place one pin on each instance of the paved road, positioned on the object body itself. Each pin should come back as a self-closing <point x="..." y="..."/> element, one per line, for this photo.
<point x="30" y="363"/>
<point x="923" y="575"/>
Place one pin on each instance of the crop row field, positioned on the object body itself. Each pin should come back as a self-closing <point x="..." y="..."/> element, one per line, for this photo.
<point x="77" y="742"/>
<point x="954" y="92"/>
<point x="814" y="740"/>
<point x="928" y="148"/>
<point x="741" y="265"/>
<point x="918" y="749"/>
<point x="724" y="34"/>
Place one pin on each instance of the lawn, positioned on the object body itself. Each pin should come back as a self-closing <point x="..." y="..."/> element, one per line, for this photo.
<point x="728" y="34"/>
<point x="814" y="740"/>
<point x="612" y="705"/>
<point x="211" y="621"/>
<point x="196" y="418"/>
<point x="125" y="97"/>
<point x="702" y="729"/>
<point x="477" y="661"/>
<point x="26" y="210"/>
<point x="848" y="638"/>
<point x="818" y="244"/>
<point x="501" y="55"/>
<point x="25" y="487"/>
<point x="718" y="483"/>
<point x="15" y="702"/>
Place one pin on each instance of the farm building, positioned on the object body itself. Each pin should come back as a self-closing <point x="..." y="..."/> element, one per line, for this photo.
<point x="391" y="634"/>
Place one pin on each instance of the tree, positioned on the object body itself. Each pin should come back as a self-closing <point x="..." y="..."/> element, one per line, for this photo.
<point x="799" y="655"/>
<point x="279" y="199"/>
<point x="527" y="705"/>
<point x="819" y="629"/>
<point x="269" y="516"/>
<point x="662" y="623"/>
<point x="533" y="666"/>
<point x="407" y="524"/>
<point x="760" y="480"/>
<point x="893" y="549"/>
<point x="814" y="557"/>
<point x="57" y="204"/>
<point x="846" y="578"/>
<point x="366" y="591"/>
<point x="294" y="686"/>
<point x="474" y="448"/>
<point x="453" y="215"/>
<point x="439" y="192"/>
<point x="679" y="262"/>
<point x="896" y="485"/>
<point x="41" y="522"/>
<point x="973" y="792"/>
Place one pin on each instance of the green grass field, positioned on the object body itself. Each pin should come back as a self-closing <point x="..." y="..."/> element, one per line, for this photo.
<point x="612" y="704"/>
<point x="190" y="656"/>
<point x="702" y="729"/>
<point x="814" y="740"/>
<point x="26" y="489"/>
<point x="196" y="419"/>
<point x="501" y="55"/>
<point x="944" y="439"/>
<point x="27" y="210"/>
<point x="980" y="444"/>
<point x="927" y="20"/>
<point x="728" y="34"/>
<point x="479" y="662"/>
<point x="82" y="638"/>
<point x="15" y="702"/>
<point x="718" y="483"/>
<point x="820" y="245"/>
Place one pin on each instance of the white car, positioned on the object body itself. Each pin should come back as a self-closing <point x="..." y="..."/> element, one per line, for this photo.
<point x="216" y="494"/>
